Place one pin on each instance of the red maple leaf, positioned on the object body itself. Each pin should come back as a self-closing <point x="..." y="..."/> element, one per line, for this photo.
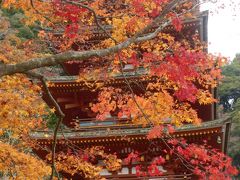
<point x="177" y="23"/>
<point x="155" y="132"/>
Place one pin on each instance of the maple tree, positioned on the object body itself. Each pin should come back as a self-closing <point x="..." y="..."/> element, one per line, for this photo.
<point x="182" y="71"/>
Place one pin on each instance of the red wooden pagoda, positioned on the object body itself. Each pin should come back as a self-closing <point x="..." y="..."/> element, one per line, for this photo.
<point x="118" y="135"/>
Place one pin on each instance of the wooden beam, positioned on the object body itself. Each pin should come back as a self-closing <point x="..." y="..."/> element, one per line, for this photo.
<point x="69" y="106"/>
<point x="61" y="100"/>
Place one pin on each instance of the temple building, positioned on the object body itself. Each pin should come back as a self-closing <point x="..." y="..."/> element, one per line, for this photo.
<point x="118" y="135"/>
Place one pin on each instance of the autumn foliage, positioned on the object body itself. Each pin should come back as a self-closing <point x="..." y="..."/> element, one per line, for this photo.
<point x="21" y="165"/>
<point x="177" y="72"/>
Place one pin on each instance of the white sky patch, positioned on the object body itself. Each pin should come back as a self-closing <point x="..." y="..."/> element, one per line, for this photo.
<point x="224" y="27"/>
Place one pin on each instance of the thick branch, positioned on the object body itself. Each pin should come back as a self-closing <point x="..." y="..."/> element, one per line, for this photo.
<point x="10" y="69"/>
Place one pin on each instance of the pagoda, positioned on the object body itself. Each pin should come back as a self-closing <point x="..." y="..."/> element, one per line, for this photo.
<point x="118" y="135"/>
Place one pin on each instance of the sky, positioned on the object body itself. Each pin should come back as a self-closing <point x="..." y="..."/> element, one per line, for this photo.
<point x="224" y="27"/>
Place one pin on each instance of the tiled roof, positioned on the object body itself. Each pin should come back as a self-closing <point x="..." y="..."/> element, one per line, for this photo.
<point x="124" y="131"/>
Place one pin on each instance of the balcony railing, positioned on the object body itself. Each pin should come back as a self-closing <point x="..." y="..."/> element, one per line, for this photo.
<point x="112" y="122"/>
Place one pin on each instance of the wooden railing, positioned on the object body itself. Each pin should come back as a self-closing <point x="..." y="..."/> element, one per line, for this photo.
<point x="87" y="124"/>
<point x="164" y="177"/>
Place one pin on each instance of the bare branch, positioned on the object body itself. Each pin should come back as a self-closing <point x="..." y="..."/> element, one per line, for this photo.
<point x="60" y="114"/>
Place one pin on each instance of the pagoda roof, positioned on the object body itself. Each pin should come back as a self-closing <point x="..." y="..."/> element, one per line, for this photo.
<point x="194" y="24"/>
<point x="208" y="127"/>
<point x="65" y="79"/>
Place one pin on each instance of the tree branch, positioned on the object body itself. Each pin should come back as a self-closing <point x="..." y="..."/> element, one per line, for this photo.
<point x="25" y="66"/>
<point x="60" y="114"/>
